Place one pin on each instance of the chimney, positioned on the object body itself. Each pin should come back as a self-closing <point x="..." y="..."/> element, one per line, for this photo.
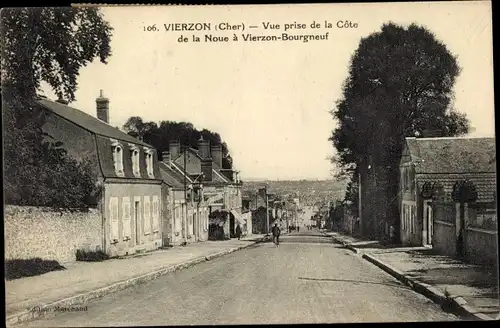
<point x="165" y="157"/>
<point x="216" y="152"/>
<point x="206" y="169"/>
<point x="174" y="149"/>
<point x="204" y="148"/>
<point x="62" y="101"/>
<point x="102" y="105"/>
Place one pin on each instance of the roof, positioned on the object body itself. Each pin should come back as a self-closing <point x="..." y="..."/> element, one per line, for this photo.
<point x="485" y="183"/>
<point x="453" y="155"/>
<point x="170" y="176"/>
<point x="88" y="122"/>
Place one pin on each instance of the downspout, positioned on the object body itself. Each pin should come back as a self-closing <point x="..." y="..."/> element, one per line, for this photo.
<point x="103" y="199"/>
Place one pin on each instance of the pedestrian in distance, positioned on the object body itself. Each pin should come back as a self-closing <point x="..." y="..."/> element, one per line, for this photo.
<point x="238" y="231"/>
<point x="276" y="234"/>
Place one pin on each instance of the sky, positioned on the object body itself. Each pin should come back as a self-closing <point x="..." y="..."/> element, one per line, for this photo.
<point x="270" y="101"/>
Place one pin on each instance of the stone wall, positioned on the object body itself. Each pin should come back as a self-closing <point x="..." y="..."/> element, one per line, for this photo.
<point x="481" y="246"/>
<point x="53" y="235"/>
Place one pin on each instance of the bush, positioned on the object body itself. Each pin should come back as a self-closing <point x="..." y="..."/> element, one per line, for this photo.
<point x="91" y="256"/>
<point x="20" y="268"/>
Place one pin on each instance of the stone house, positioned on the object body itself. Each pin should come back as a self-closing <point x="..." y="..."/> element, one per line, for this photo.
<point x="220" y="198"/>
<point x="127" y="169"/>
<point x="432" y="172"/>
<point x="184" y="209"/>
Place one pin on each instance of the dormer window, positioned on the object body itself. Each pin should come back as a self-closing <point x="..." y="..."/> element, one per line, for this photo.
<point x="117" y="157"/>
<point x="134" y="151"/>
<point x="149" y="162"/>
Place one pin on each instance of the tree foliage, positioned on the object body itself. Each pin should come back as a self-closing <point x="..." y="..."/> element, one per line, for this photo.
<point x="51" y="45"/>
<point x="159" y="136"/>
<point x="400" y="83"/>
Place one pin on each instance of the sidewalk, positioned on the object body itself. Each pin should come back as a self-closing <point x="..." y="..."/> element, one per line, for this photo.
<point x="82" y="281"/>
<point x="473" y="288"/>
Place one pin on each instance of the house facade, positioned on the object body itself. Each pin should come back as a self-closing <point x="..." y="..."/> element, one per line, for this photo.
<point x="213" y="194"/>
<point x="186" y="213"/>
<point x="432" y="170"/>
<point x="127" y="171"/>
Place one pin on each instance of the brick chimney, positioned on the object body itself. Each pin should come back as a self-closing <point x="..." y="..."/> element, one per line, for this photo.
<point x="204" y="148"/>
<point x="165" y="158"/>
<point x="174" y="149"/>
<point x="206" y="169"/>
<point x="216" y="152"/>
<point x="102" y="105"/>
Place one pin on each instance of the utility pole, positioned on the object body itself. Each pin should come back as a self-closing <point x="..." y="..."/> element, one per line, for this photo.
<point x="184" y="149"/>
<point x="267" y="211"/>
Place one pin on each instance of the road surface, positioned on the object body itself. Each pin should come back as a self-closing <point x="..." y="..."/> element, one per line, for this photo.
<point x="308" y="279"/>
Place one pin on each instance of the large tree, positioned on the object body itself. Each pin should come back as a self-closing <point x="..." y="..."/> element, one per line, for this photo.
<point x="50" y="45"/>
<point x="159" y="136"/>
<point x="400" y="83"/>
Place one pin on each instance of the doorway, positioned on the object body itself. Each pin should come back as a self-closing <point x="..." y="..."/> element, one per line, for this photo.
<point x="137" y="215"/>
<point x="428" y="223"/>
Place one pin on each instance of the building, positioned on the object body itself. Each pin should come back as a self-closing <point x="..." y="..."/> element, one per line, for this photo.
<point x="220" y="199"/>
<point x="126" y="168"/>
<point x="184" y="210"/>
<point x="432" y="166"/>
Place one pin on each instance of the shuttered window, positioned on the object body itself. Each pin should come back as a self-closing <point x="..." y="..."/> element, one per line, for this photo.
<point x="126" y="218"/>
<point x="147" y="215"/>
<point x="114" y="218"/>
<point x="156" y="214"/>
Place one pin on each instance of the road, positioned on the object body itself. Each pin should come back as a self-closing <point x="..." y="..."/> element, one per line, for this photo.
<point x="308" y="279"/>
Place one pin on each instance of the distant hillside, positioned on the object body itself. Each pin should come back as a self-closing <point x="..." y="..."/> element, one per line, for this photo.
<point x="309" y="191"/>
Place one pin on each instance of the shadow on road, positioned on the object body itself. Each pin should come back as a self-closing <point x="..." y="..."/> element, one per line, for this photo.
<point x="355" y="282"/>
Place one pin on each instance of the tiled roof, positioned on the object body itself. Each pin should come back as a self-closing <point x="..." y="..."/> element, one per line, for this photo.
<point x="485" y="183"/>
<point x="452" y="155"/>
<point x="88" y="122"/>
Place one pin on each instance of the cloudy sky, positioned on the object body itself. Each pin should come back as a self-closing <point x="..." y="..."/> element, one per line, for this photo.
<point x="270" y="101"/>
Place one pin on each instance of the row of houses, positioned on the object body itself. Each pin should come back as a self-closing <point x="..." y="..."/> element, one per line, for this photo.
<point x="447" y="198"/>
<point x="262" y="207"/>
<point x="148" y="201"/>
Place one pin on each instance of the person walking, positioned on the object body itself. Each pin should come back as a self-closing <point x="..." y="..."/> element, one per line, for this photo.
<point x="238" y="231"/>
<point x="276" y="234"/>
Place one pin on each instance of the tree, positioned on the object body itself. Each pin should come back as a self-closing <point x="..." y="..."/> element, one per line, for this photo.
<point x="400" y="83"/>
<point x="159" y="136"/>
<point x="51" y="45"/>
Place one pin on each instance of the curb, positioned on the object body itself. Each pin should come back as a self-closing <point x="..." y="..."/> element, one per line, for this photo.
<point x="343" y="243"/>
<point x="42" y="310"/>
<point x="458" y="305"/>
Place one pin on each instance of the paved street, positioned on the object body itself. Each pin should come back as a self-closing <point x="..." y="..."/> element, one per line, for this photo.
<point x="308" y="279"/>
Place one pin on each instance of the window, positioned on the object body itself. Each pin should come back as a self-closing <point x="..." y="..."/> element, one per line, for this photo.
<point x="126" y="218"/>
<point x="113" y="214"/>
<point x="411" y="218"/>
<point x="147" y="215"/>
<point x="135" y="160"/>
<point x="149" y="162"/>
<point x="117" y="157"/>
<point x="403" y="215"/>
<point x="156" y="214"/>
<point x="177" y="218"/>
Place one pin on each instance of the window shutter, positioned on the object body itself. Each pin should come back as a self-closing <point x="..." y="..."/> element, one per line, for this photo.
<point x="147" y="215"/>
<point x="113" y="213"/>
<point x="127" y="230"/>
<point x="155" y="214"/>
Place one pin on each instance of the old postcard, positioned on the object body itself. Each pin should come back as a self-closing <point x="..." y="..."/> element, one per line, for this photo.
<point x="249" y="164"/>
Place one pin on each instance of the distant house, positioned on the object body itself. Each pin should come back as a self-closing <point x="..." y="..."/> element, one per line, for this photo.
<point x="126" y="167"/>
<point x="432" y="166"/>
